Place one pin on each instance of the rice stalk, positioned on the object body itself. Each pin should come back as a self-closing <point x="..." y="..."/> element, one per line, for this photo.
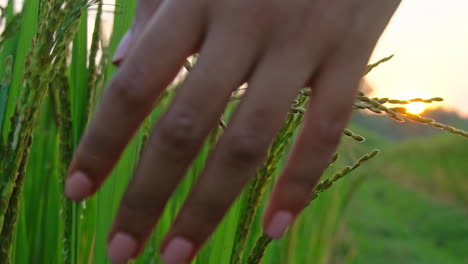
<point x="400" y="114"/>
<point x="12" y="213"/>
<point x="354" y="136"/>
<point x="328" y="183"/>
<point x="333" y="159"/>
<point x="433" y="123"/>
<point x="92" y="64"/>
<point x="259" y="250"/>
<point x="60" y="92"/>
<point x="101" y="73"/>
<point x="372" y="66"/>
<point x="264" y="175"/>
<point x="57" y="27"/>
<point x="263" y="241"/>
<point x="403" y="102"/>
<point x="4" y="84"/>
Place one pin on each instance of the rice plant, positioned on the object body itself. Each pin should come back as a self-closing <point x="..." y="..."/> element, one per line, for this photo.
<point x="51" y="81"/>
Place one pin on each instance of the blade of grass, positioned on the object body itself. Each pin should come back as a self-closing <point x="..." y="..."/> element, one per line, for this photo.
<point x="27" y="32"/>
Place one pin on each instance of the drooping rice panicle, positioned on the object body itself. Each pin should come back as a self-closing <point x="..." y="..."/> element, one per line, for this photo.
<point x="354" y="136"/>
<point x="263" y="241"/>
<point x="372" y="66"/>
<point x="264" y="175"/>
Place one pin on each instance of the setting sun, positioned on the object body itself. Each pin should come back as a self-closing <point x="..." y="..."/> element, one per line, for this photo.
<point x="415" y="108"/>
<point x="429" y="39"/>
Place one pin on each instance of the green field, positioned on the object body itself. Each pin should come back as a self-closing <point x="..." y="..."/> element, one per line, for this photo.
<point x="411" y="206"/>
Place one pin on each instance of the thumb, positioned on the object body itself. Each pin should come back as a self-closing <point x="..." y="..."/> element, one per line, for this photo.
<point x="144" y="12"/>
<point x="122" y="48"/>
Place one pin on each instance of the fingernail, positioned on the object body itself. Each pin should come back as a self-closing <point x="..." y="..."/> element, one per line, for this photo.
<point x="122" y="48"/>
<point x="177" y="251"/>
<point x="279" y="224"/>
<point x="78" y="186"/>
<point x="121" y="248"/>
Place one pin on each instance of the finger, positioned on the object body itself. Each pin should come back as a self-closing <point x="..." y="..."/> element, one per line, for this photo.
<point x="177" y="137"/>
<point x="329" y="108"/>
<point x="122" y="48"/>
<point x="145" y="9"/>
<point x="240" y="151"/>
<point x="132" y="94"/>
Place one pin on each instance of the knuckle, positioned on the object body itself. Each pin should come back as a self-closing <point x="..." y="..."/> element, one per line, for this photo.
<point x="329" y="133"/>
<point x="96" y="162"/>
<point x="361" y="31"/>
<point x="255" y="8"/>
<point x="323" y="22"/>
<point x="246" y="147"/>
<point x="204" y="223"/>
<point x="179" y="132"/>
<point x="125" y="90"/>
<point x="145" y="9"/>
<point x="299" y="192"/>
<point x="257" y="12"/>
<point x="331" y="24"/>
<point x="359" y="35"/>
<point x="335" y="29"/>
<point x="209" y="209"/>
<point x="146" y="205"/>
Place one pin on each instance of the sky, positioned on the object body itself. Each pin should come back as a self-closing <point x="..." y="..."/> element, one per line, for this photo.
<point x="430" y="41"/>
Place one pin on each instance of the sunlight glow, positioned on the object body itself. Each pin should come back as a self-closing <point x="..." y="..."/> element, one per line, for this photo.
<point x="415" y="108"/>
<point x="430" y="41"/>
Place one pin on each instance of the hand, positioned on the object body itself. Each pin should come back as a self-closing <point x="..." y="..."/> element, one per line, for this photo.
<point x="277" y="47"/>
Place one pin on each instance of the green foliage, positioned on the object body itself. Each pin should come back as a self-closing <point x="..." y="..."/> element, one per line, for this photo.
<point x="391" y="223"/>
<point x="438" y="167"/>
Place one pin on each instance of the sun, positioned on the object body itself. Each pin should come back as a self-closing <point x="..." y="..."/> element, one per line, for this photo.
<point x="415" y="108"/>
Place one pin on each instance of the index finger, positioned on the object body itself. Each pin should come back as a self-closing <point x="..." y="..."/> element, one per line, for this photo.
<point x="170" y="37"/>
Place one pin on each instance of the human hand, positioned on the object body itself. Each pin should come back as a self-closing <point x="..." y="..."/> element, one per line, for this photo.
<point x="276" y="46"/>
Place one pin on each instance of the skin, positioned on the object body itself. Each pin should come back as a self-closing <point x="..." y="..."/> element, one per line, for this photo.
<point x="276" y="46"/>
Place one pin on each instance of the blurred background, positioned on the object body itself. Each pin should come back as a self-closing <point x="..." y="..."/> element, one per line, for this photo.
<point x="412" y="206"/>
